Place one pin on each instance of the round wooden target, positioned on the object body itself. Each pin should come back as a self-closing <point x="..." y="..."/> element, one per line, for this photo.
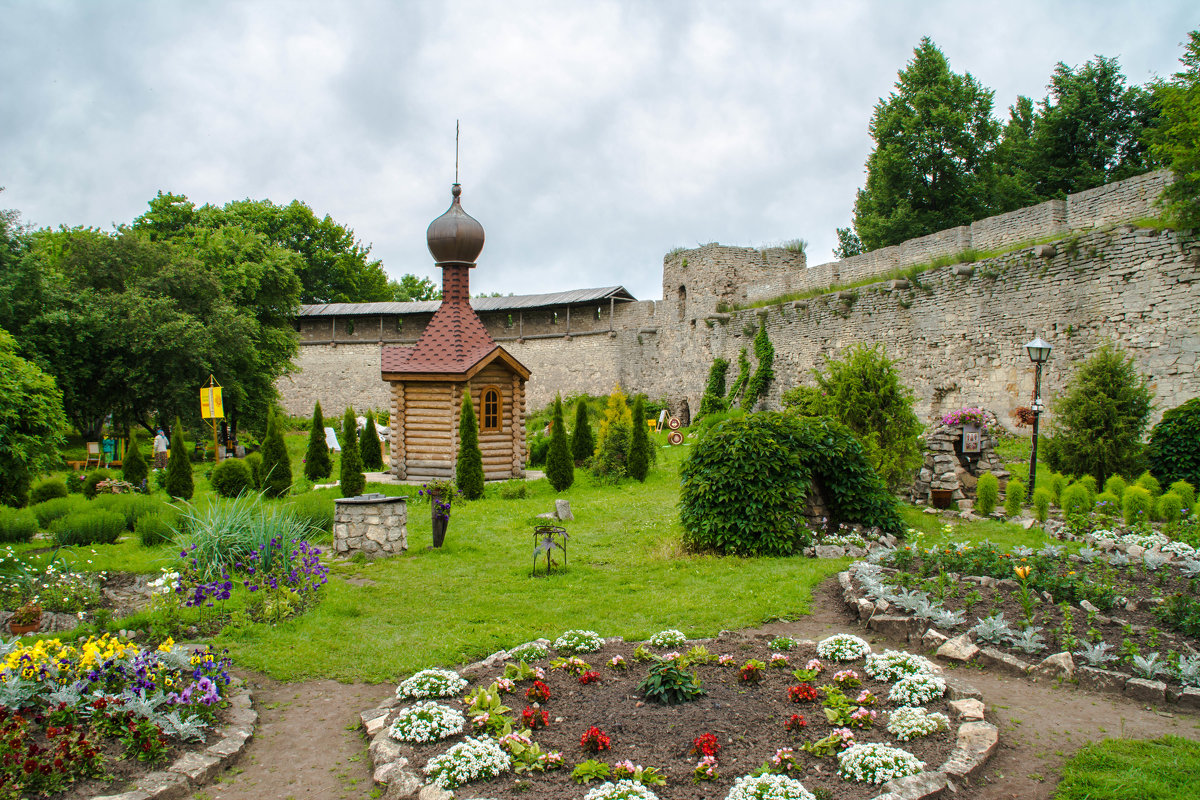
<point x="673" y="423"/>
<point x="675" y="437"/>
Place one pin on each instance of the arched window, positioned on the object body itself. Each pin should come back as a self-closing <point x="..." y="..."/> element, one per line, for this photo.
<point x="491" y="411"/>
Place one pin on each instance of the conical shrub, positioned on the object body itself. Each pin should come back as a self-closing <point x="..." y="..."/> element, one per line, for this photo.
<point x="179" y="467"/>
<point x="372" y="456"/>
<point x="317" y="464"/>
<point x="351" y="480"/>
<point x="560" y="468"/>
<point x="468" y="472"/>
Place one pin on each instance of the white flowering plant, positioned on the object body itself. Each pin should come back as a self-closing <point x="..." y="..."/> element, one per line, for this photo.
<point x="911" y="722"/>
<point x="917" y="690"/>
<point x="892" y="665"/>
<point x="427" y="721"/>
<point x="843" y="647"/>
<point x="577" y="641"/>
<point x="877" y="763"/>
<point x="667" y="638"/>
<point x="431" y="683"/>
<point x="472" y="759"/>
<point x="621" y="790"/>
<point x="528" y="652"/>
<point x="768" y="787"/>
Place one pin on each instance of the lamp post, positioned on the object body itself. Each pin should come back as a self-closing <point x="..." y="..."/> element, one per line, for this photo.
<point x="1039" y="354"/>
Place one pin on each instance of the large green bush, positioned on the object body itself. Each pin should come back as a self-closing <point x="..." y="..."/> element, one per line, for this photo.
<point x="1174" y="448"/>
<point x="864" y="393"/>
<point x="615" y="437"/>
<point x="1075" y="499"/>
<point x="50" y="510"/>
<point x="47" y="489"/>
<point x="987" y="490"/>
<point x="1115" y="485"/>
<point x="583" y="443"/>
<point x="17" y="525"/>
<point x="1186" y="492"/>
<point x="231" y="477"/>
<point x="1100" y="418"/>
<point x="88" y="527"/>
<point x="744" y="487"/>
<point x="1150" y="483"/>
<point x="317" y="464"/>
<point x="129" y="506"/>
<point x="560" y="466"/>
<point x="351" y="481"/>
<point x="254" y="462"/>
<point x="134" y="469"/>
<point x="276" y="466"/>
<point x="468" y="469"/>
<point x="1041" y="503"/>
<point x="92" y="480"/>
<point x="1168" y="507"/>
<point x="179" y="467"/>
<point x="1137" y="504"/>
<point x="31" y="422"/>
<point x="1108" y="505"/>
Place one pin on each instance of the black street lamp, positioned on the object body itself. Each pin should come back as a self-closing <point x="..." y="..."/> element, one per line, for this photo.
<point x="1039" y="354"/>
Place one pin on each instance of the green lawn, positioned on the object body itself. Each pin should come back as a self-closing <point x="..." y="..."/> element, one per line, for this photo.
<point x="1133" y="769"/>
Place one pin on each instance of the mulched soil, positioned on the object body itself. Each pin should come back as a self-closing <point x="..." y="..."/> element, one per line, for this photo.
<point x="1131" y="623"/>
<point x="748" y="720"/>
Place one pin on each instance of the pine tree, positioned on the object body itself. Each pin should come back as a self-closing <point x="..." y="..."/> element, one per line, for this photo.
<point x="350" y="479"/>
<point x="468" y="472"/>
<point x="639" y="448"/>
<point x="317" y="464"/>
<point x="560" y="469"/>
<point x="583" y="443"/>
<point x="134" y="469"/>
<point x="276" y="467"/>
<point x="616" y="432"/>
<point x="179" y="467"/>
<point x="372" y="455"/>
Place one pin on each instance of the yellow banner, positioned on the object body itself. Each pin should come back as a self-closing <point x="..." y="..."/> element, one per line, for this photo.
<point x="210" y="403"/>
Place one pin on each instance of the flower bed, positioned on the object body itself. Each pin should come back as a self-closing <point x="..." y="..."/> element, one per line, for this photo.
<point x="729" y="718"/>
<point x="96" y="714"/>
<point x="1114" y="605"/>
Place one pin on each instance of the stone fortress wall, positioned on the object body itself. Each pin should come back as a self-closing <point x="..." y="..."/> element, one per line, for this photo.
<point x="956" y="332"/>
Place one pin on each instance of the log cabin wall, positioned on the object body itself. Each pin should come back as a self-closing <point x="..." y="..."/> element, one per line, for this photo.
<point x="430" y="428"/>
<point x="497" y="444"/>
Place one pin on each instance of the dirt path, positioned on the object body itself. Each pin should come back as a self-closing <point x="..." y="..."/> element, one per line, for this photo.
<point x="308" y="745"/>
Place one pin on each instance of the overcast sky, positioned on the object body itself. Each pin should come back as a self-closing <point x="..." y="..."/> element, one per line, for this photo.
<point x="596" y="136"/>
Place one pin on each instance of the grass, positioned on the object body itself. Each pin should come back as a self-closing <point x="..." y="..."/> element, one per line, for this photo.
<point x="1133" y="769"/>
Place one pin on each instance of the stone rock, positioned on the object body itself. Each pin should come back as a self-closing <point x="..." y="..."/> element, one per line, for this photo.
<point x="865" y="609"/>
<point x="893" y="626"/>
<point x="915" y="787"/>
<point x="1002" y="661"/>
<point x="1027" y="523"/>
<point x="1007" y="585"/>
<point x="165" y="785"/>
<point x="387" y="772"/>
<point x="975" y="745"/>
<point x="1087" y="606"/>
<point x="1101" y="680"/>
<point x="829" y="551"/>
<point x="432" y="792"/>
<point x="548" y="515"/>
<point x="933" y="638"/>
<point x="1146" y="691"/>
<point x="385" y="749"/>
<point x="960" y="648"/>
<point x="968" y="709"/>
<point x="960" y="689"/>
<point x="197" y="767"/>
<point x="1189" y="698"/>
<point x="1059" y="665"/>
<point x="856" y="552"/>
<point x="135" y="794"/>
<point x="403" y="784"/>
<point x="562" y="510"/>
<point x="1135" y="552"/>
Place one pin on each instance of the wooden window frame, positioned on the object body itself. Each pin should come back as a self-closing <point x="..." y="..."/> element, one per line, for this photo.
<point x="498" y="426"/>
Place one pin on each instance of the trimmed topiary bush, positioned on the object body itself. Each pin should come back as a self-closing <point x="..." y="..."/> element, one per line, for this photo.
<point x="276" y="466"/>
<point x="231" y="477"/>
<point x="1174" y="448"/>
<point x="1076" y="499"/>
<point x="155" y="529"/>
<point x="370" y="447"/>
<point x="134" y="468"/>
<point x="1186" y="492"/>
<point x="47" y="489"/>
<point x="745" y="485"/>
<point x="351" y="481"/>
<point x="468" y="471"/>
<point x="987" y="491"/>
<point x="560" y="466"/>
<point x="1041" y="503"/>
<point x="179" y="466"/>
<point x="639" y="447"/>
<point x="1137" y="504"/>
<point x="317" y="464"/>
<point x="583" y="443"/>
<point x="88" y="527"/>
<point x="1014" y="497"/>
<point x="17" y="525"/>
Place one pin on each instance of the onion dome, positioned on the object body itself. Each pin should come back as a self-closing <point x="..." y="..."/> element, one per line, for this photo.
<point x="455" y="237"/>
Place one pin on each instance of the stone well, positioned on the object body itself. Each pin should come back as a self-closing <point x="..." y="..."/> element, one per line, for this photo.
<point x="946" y="466"/>
<point x="375" y="525"/>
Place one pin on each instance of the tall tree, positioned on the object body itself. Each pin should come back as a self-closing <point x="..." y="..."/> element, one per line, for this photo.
<point x="583" y="443"/>
<point x="933" y="139"/>
<point x="1176" y="136"/>
<point x="317" y="464"/>
<point x="1014" y="182"/>
<point x="350" y="479"/>
<point x="369" y="446"/>
<point x="31" y="422"/>
<point x="639" y="445"/>
<point x="179" y="467"/>
<point x="276" y="466"/>
<point x="560" y="467"/>
<point x="468" y="469"/>
<point x="410" y="288"/>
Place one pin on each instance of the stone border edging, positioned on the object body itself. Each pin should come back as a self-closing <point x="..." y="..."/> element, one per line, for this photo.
<point x="196" y="768"/>
<point x="1058" y="665"/>
<point x="975" y="743"/>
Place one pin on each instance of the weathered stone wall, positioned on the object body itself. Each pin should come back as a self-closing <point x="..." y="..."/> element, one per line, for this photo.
<point x="957" y="335"/>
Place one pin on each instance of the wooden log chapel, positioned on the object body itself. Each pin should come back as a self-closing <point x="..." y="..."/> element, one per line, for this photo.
<point x="455" y="354"/>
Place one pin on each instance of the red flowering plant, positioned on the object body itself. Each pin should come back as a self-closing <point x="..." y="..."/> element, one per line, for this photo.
<point x="538" y="693"/>
<point x="706" y="744"/>
<point x="795" y="723"/>
<point x="751" y="671"/>
<point x="535" y="719"/>
<point x="594" y="740"/>
<point x="591" y="676"/>
<point x="803" y="693"/>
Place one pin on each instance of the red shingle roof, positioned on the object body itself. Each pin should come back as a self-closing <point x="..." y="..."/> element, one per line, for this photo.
<point x="453" y="342"/>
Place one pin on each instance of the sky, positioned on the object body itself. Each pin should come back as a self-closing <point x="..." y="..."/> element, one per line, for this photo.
<point x="595" y="136"/>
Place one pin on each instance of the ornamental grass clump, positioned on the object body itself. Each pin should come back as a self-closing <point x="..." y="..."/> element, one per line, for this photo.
<point x="917" y="690"/>
<point x="876" y="763"/>
<point x="473" y="759"/>
<point x="911" y="722"/>
<point x="224" y="533"/>
<point x="579" y="641"/>
<point x="432" y="682"/>
<point x="892" y="665"/>
<point x="768" y="787"/>
<point x="843" y="647"/>
<point x="427" y="721"/>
